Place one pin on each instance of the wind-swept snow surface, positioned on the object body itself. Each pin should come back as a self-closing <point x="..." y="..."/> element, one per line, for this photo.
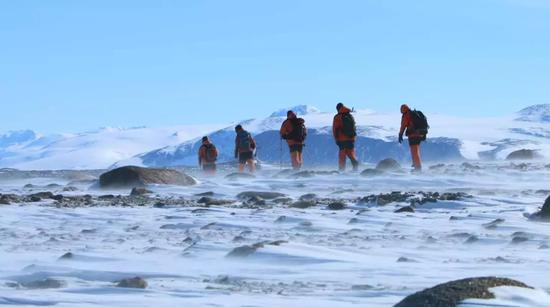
<point x="254" y="252"/>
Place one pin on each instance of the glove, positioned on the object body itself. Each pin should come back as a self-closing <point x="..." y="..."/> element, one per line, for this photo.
<point x="400" y="138"/>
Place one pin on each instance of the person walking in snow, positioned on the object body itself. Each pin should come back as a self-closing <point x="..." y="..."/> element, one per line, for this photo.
<point x="244" y="149"/>
<point x="208" y="155"/>
<point x="415" y="126"/>
<point x="345" y="133"/>
<point x="294" y="131"/>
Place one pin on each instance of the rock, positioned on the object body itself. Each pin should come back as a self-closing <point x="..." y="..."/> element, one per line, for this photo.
<point x="57" y="197"/>
<point x="469" y="166"/>
<point x="66" y="256"/>
<point x="135" y="283"/>
<point x="309" y="196"/>
<point x="237" y="176"/>
<point x="406" y="209"/>
<point x="208" y="194"/>
<point x="405" y="259"/>
<point x="388" y="165"/>
<point x="303" y="174"/>
<point x="544" y="213"/>
<point x="48" y="283"/>
<point x="524" y="154"/>
<point x="371" y="172"/>
<point x="303" y="204"/>
<point x="261" y="195"/>
<point x="471" y="239"/>
<point x="133" y="176"/>
<point x="106" y="197"/>
<point x="41" y="195"/>
<point x="70" y="189"/>
<point x="519" y="239"/>
<point x="336" y="206"/>
<point x="140" y="191"/>
<point x="244" y="251"/>
<point x="451" y="294"/>
<point x="209" y="201"/>
<point x="493" y="224"/>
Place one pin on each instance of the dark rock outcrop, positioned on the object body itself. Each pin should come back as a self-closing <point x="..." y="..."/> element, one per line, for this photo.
<point x="140" y="191"/>
<point x="336" y="206"/>
<point x="48" y="283"/>
<point x="371" y="172"/>
<point x="261" y="195"/>
<point x="133" y="176"/>
<point x="453" y="293"/>
<point x="524" y="154"/>
<point x="544" y="213"/>
<point x="406" y="209"/>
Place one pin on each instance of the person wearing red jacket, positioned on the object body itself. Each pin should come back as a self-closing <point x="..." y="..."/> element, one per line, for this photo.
<point x="343" y="129"/>
<point x="293" y="130"/>
<point x="415" y="137"/>
<point x="245" y="146"/>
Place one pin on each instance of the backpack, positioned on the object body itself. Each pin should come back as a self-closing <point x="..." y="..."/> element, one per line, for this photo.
<point x="243" y="141"/>
<point x="299" y="131"/>
<point x="211" y="154"/>
<point x="349" y="128"/>
<point x="420" y="122"/>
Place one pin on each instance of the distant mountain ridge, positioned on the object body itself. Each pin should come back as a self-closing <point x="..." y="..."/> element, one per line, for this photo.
<point x="450" y="138"/>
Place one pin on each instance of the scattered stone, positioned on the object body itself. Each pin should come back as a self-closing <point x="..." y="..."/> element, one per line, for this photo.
<point x="58" y="197"/>
<point x="261" y="195"/>
<point x="469" y="167"/>
<point x="244" y="251"/>
<point x="519" y="239"/>
<point x="303" y="204"/>
<point x="133" y="176"/>
<point x="140" y="191"/>
<point x="41" y="195"/>
<point x="205" y="194"/>
<point x="48" y="283"/>
<point x="406" y="209"/>
<point x="135" y="283"/>
<point x="388" y="165"/>
<point x="308" y="197"/>
<point x="66" y="256"/>
<point x="471" y="239"/>
<point x="209" y="201"/>
<point x="336" y="206"/>
<point x="70" y="189"/>
<point x="493" y="224"/>
<point x="106" y="197"/>
<point x="303" y="174"/>
<point x="405" y="259"/>
<point x="524" y="154"/>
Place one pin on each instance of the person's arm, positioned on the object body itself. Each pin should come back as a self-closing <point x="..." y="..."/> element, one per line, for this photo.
<point x="404" y="123"/>
<point x="284" y="129"/>
<point x="200" y="156"/>
<point x="252" y="142"/>
<point x="336" y="127"/>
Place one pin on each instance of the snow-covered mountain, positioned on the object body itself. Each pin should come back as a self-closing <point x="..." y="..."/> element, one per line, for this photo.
<point x="536" y="113"/>
<point x="450" y="138"/>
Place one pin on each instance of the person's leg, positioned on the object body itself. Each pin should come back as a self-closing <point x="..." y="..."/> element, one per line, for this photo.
<point x="353" y="157"/>
<point x="251" y="165"/>
<point x="300" y="159"/>
<point x="415" y="154"/>
<point x="294" y="159"/>
<point x="241" y="167"/>
<point x="342" y="159"/>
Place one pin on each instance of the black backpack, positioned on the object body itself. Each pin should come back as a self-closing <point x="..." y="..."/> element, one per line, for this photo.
<point x="349" y="127"/>
<point x="299" y="131"/>
<point x="210" y="153"/>
<point x="420" y="122"/>
<point x="243" y="141"/>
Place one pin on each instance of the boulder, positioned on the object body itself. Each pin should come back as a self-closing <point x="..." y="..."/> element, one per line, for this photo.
<point x="303" y="204"/>
<point x="136" y="283"/>
<point x="524" y="154"/>
<point x="237" y="176"/>
<point x="388" y="165"/>
<point x="453" y="293"/>
<point x="244" y="251"/>
<point x="544" y="213"/>
<point x="371" y="172"/>
<point x="133" y="176"/>
<point x="336" y="206"/>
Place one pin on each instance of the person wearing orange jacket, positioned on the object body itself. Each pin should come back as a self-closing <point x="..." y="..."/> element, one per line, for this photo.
<point x="208" y="154"/>
<point x="344" y="131"/>
<point x="415" y="136"/>
<point x="294" y="131"/>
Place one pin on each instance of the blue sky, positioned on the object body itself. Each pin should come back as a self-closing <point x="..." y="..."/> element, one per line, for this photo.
<point x="79" y="65"/>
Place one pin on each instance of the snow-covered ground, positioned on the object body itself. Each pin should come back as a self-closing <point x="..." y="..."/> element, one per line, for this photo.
<point x="325" y="258"/>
